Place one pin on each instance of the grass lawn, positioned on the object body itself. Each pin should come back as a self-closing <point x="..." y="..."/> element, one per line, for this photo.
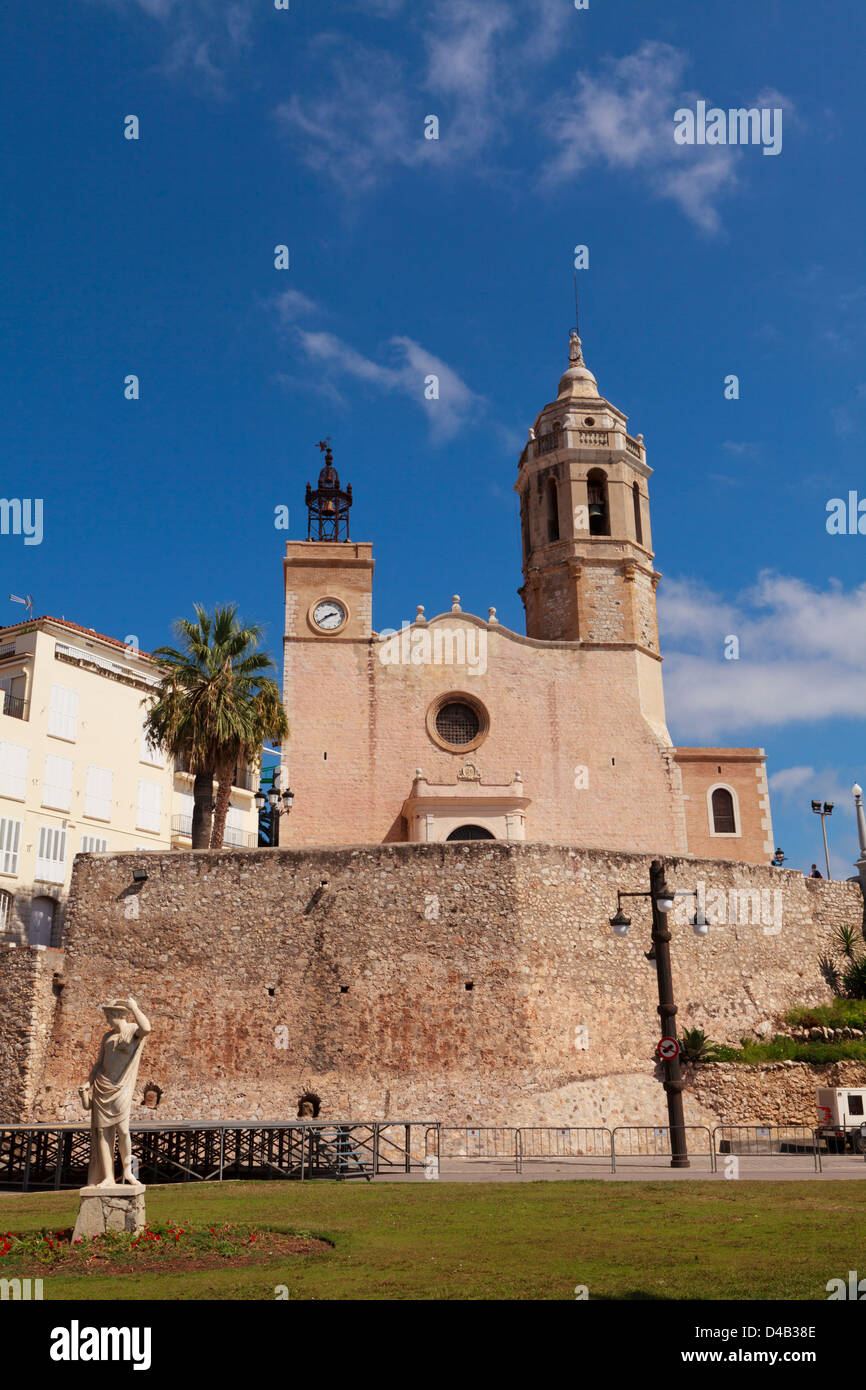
<point x="438" y="1240"/>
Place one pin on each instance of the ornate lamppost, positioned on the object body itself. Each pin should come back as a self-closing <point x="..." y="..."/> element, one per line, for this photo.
<point x="280" y="804"/>
<point x="662" y="900"/>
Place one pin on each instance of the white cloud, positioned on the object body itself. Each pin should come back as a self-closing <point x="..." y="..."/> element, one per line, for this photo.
<point x="404" y="371"/>
<point x="623" y="119"/>
<point x="204" y="37"/>
<point x="802" y="655"/>
<point x="366" y="118"/>
<point x="359" y="123"/>
<point x="291" y="305"/>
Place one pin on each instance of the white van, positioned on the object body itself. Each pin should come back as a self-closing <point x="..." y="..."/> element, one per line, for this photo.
<point x="842" y="1117"/>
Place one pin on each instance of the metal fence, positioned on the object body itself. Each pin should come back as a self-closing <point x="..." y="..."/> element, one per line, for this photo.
<point x="485" y="1143"/>
<point x="768" y="1141"/>
<point x="541" y="1142"/>
<point x="654" y="1141"/>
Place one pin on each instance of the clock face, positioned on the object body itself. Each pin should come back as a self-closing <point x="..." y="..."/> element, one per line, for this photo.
<point x="329" y="614"/>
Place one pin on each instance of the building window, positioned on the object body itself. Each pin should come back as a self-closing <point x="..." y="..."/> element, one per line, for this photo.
<point x="638" y="525"/>
<point x="723" y="811"/>
<point x="97" y="792"/>
<point x="457" y="722"/>
<point x="41" y="930"/>
<point x="596" y="496"/>
<point x="471" y="832"/>
<point x="552" y="511"/>
<point x="93" y="844"/>
<point x="13" y="770"/>
<point x="51" y="854"/>
<point x="10" y="841"/>
<point x="6" y="901"/>
<point x="149" y="811"/>
<point x="63" y="712"/>
<point x="150" y="754"/>
<point x="57" y="783"/>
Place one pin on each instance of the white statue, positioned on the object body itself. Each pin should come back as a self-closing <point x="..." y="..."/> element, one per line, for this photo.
<point x="109" y="1090"/>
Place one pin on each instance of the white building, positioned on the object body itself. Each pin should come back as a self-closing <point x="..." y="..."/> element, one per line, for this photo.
<point x="77" y="775"/>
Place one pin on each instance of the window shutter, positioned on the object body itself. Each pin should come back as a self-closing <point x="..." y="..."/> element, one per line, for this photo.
<point x="51" y="854"/>
<point x="149" y="814"/>
<point x="148" y="754"/>
<point x="93" y="844"/>
<point x="10" y="840"/>
<point x="13" y="770"/>
<point x="57" y="783"/>
<point x="233" y="834"/>
<point x="63" y="712"/>
<point x="97" y="793"/>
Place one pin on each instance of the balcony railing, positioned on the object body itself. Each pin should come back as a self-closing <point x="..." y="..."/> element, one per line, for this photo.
<point x="242" y="777"/>
<point x="16" y="707"/>
<point x="232" y="838"/>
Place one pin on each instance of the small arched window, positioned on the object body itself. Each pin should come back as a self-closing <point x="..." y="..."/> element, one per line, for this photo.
<point x="596" y="496"/>
<point x="552" y="511"/>
<point x="638" y="526"/>
<point x="6" y="903"/>
<point x="724" y="817"/>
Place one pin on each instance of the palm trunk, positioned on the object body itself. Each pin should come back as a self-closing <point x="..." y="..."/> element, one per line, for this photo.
<point x="202" y="811"/>
<point x="224" y="791"/>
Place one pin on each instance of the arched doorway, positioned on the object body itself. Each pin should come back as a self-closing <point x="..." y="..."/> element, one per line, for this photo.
<point x="471" y="832"/>
<point x="41" y="921"/>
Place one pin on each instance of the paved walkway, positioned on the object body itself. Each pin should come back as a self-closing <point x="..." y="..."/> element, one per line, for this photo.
<point x="784" y="1169"/>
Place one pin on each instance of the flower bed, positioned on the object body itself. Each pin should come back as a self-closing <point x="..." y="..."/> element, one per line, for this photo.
<point x="181" y="1246"/>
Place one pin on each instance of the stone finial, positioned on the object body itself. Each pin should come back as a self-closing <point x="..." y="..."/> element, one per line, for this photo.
<point x="640" y="439"/>
<point x="418" y="774"/>
<point x="491" y="615"/>
<point x="531" y="432"/>
<point x="419" y="613"/>
<point x="455" y="604"/>
<point x="518" y="777"/>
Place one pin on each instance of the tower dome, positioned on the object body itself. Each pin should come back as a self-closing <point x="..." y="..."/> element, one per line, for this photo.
<point x="578" y="381"/>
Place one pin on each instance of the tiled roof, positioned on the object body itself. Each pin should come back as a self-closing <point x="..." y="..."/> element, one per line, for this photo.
<point x="76" y="627"/>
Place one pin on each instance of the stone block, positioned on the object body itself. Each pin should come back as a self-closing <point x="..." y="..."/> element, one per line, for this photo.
<point x="118" y="1208"/>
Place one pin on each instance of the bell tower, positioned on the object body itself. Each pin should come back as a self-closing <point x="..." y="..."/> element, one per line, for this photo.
<point x="585" y="521"/>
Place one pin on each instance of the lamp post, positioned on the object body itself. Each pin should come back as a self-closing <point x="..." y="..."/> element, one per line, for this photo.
<point x="824" y="811"/>
<point x="861" y="834"/>
<point x="280" y="804"/>
<point x="662" y="900"/>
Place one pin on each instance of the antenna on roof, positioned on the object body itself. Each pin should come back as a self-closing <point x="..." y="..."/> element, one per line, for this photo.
<point x="576" y="309"/>
<point x="27" y="601"/>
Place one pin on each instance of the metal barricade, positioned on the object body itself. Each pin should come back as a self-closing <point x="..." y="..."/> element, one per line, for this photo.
<point x="654" y="1141"/>
<point x="481" y="1143"/>
<point x="767" y="1141"/>
<point x="537" y="1143"/>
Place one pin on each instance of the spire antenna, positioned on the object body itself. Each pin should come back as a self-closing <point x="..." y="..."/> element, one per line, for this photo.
<point x="576" y="308"/>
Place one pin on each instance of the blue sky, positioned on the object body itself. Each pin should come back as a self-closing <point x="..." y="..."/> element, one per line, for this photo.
<point x="305" y="127"/>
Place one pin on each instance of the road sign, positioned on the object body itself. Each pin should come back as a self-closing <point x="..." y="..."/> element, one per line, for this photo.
<point x="668" y="1049"/>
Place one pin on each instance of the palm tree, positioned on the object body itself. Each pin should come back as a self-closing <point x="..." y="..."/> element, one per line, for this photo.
<point x="213" y="706"/>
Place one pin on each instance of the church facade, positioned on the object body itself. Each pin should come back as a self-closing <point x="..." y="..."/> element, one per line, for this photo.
<point x="457" y="728"/>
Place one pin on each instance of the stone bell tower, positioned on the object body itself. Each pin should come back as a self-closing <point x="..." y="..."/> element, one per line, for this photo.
<point x="585" y="521"/>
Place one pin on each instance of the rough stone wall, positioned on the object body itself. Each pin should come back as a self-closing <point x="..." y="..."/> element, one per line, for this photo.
<point x="27" y="1006"/>
<point x="778" y="1093"/>
<point x="359" y="961"/>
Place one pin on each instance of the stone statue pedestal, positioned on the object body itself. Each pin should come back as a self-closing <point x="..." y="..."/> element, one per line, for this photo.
<point x="119" y="1207"/>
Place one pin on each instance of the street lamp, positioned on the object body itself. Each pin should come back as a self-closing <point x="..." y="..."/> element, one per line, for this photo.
<point x="280" y="804"/>
<point x="662" y="900"/>
<point x="824" y="811"/>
